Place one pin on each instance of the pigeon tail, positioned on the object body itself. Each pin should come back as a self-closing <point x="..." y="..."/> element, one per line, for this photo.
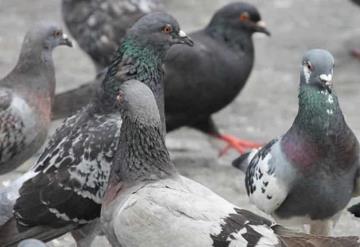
<point x="243" y="161"/>
<point x="355" y="210"/>
<point x="11" y="237"/>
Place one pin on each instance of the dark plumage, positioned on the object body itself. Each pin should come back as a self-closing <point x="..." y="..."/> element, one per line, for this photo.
<point x="308" y="175"/>
<point x="148" y="203"/>
<point x="202" y="80"/>
<point x="99" y="25"/>
<point x="26" y="96"/>
<point x="68" y="182"/>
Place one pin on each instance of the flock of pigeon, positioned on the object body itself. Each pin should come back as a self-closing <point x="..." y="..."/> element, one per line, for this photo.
<point x="107" y="171"/>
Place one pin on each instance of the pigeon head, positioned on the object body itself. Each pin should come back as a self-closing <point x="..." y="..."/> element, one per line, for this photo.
<point x="46" y="36"/>
<point x="317" y="69"/>
<point x="158" y="30"/>
<point x="239" y="16"/>
<point x="137" y="102"/>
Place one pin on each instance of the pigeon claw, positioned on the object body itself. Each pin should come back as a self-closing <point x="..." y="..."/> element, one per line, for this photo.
<point x="239" y="145"/>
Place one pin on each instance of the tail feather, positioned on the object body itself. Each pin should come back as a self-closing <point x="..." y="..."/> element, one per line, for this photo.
<point x="8" y="196"/>
<point x="10" y="236"/>
<point x="243" y="161"/>
<point x="355" y="210"/>
<point x="294" y="239"/>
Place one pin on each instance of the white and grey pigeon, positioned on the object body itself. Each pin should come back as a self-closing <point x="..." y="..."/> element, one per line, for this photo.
<point x="99" y="25"/>
<point x="148" y="203"/>
<point x="64" y="190"/>
<point x="308" y="175"/>
<point x="26" y="96"/>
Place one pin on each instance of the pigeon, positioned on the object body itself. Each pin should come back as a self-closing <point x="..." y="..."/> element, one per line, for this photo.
<point x="148" y="203"/>
<point x="26" y="96"/>
<point x="194" y="89"/>
<point x="31" y="243"/>
<point x="308" y="175"/>
<point x="64" y="190"/>
<point x="99" y="25"/>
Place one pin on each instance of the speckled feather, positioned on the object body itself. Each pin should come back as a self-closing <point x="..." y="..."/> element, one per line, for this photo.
<point x="99" y="25"/>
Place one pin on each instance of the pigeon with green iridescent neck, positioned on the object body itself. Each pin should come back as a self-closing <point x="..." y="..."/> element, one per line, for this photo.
<point x="202" y="80"/>
<point x="98" y="26"/>
<point x="26" y="96"/>
<point x="308" y="175"/>
<point x="64" y="190"/>
<point x="149" y="204"/>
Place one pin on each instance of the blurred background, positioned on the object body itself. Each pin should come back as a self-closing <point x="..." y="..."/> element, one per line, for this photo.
<point x="266" y="106"/>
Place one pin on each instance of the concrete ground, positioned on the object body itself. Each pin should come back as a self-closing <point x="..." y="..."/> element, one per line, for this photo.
<point x="263" y="110"/>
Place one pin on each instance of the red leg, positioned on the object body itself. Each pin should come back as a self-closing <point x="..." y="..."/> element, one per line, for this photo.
<point x="240" y="145"/>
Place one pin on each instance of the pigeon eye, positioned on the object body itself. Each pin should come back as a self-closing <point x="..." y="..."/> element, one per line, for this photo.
<point x="244" y="16"/>
<point x="57" y="34"/>
<point x="309" y="66"/>
<point x="167" y="29"/>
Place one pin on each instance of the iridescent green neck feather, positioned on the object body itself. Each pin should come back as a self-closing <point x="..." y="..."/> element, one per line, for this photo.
<point x="138" y="61"/>
<point x="319" y="111"/>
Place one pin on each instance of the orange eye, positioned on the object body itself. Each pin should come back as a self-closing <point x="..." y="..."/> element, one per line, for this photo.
<point x="167" y="28"/>
<point x="57" y="34"/>
<point x="244" y="16"/>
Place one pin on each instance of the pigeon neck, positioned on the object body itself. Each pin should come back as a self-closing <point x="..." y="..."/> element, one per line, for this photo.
<point x="319" y="131"/>
<point x="36" y="61"/>
<point x="142" y="154"/>
<point x="240" y="41"/>
<point x="319" y="111"/>
<point x="134" y="61"/>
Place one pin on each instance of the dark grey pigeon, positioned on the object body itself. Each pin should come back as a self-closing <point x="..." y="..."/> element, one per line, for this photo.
<point x="64" y="190"/>
<point x="204" y="79"/>
<point x="26" y="96"/>
<point x="99" y="25"/>
<point x="148" y="203"/>
<point x="308" y="175"/>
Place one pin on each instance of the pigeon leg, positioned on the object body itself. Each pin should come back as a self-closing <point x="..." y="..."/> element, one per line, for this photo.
<point x="240" y="145"/>
<point x="321" y="227"/>
<point x="208" y="126"/>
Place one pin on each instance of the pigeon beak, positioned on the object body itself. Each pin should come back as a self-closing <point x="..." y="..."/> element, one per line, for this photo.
<point x="260" y="27"/>
<point x="326" y="80"/>
<point x="184" y="39"/>
<point x="64" y="40"/>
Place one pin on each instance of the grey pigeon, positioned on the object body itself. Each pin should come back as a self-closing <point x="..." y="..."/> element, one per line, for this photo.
<point x="99" y="25"/>
<point x="26" y="96"/>
<point x="308" y="175"/>
<point x="204" y="79"/>
<point x="65" y="188"/>
<point x="148" y="203"/>
<point x="31" y="243"/>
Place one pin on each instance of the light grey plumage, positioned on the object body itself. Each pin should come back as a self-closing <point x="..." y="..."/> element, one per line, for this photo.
<point x="26" y="96"/>
<point x="308" y="175"/>
<point x="99" y="25"/>
<point x="147" y="203"/>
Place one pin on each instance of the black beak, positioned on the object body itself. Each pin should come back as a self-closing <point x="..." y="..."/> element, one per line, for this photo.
<point x="184" y="39"/>
<point x="64" y="40"/>
<point x="260" y="27"/>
